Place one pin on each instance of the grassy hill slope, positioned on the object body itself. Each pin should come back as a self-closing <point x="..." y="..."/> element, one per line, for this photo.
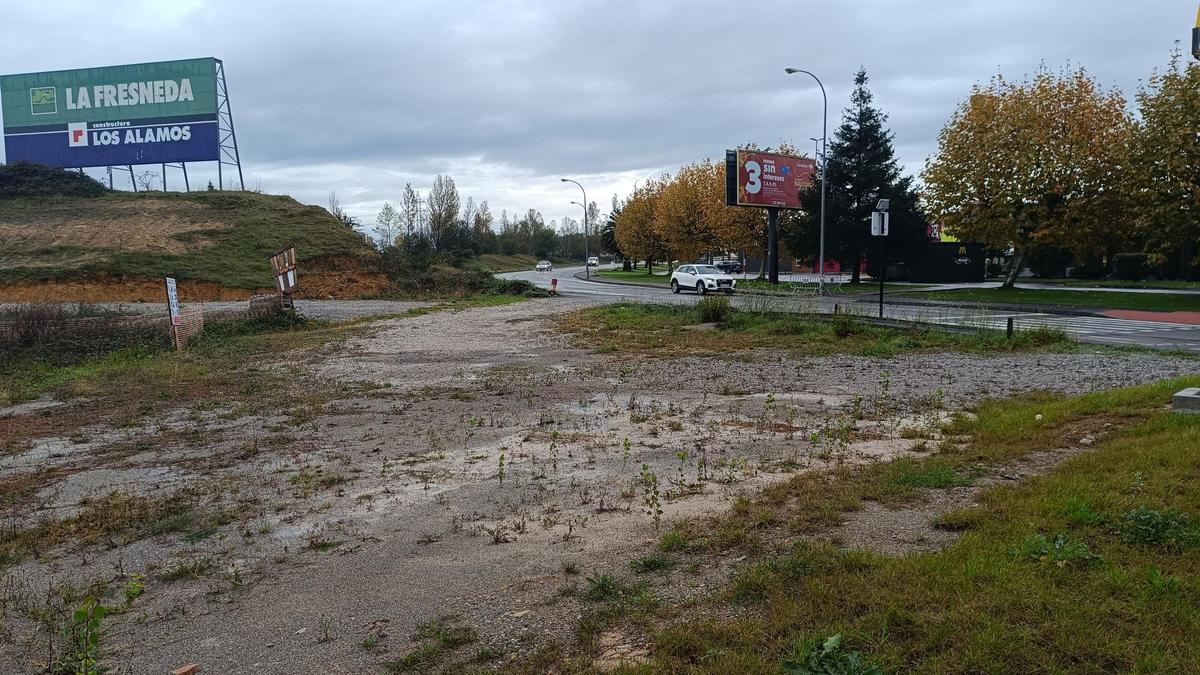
<point x="219" y="237"/>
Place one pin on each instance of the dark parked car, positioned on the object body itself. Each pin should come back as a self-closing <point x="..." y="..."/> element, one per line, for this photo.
<point x="729" y="266"/>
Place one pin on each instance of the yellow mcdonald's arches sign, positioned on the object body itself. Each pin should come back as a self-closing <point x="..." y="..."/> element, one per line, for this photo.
<point x="962" y="250"/>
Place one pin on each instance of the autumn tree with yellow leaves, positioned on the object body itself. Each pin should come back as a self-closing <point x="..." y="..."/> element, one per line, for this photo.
<point x="1165" y="164"/>
<point x="1037" y="162"/>
<point x="635" y="229"/>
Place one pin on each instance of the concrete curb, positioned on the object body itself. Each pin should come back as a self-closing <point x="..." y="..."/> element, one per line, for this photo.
<point x="892" y="300"/>
<point x="601" y="280"/>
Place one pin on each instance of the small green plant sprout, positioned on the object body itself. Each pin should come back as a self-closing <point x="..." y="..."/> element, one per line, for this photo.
<point x="883" y="395"/>
<point x="83" y="631"/>
<point x="626" y="446"/>
<point x="827" y="657"/>
<point x="570" y="567"/>
<point x="856" y="407"/>
<point x="500" y="469"/>
<point x="1061" y="552"/>
<point x="134" y="587"/>
<point x="1160" y="583"/>
<point x="326" y="630"/>
<point x="650" y="495"/>
<point x="554" y="456"/>
<point x="572" y="523"/>
<point x="680" y="481"/>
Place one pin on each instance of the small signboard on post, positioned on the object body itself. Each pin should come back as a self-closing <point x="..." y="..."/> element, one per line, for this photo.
<point x="283" y="264"/>
<point x="879" y="228"/>
<point x="173" y="310"/>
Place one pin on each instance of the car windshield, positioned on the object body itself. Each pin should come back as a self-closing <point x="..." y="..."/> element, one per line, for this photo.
<point x="707" y="269"/>
<point x="542" y="262"/>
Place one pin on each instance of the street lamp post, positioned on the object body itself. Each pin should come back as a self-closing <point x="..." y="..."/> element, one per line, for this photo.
<point x="824" y="171"/>
<point x="587" y="271"/>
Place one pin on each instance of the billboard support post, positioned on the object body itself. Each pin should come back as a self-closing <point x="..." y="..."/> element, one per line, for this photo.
<point x="228" y="147"/>
<point x="773" y="245"/>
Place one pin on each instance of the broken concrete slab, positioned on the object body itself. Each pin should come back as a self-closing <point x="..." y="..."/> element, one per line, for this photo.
<point x="1187" y="400"/>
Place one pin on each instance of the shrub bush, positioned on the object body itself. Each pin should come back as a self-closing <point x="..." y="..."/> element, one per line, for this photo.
<point x="1131" y="266"/>
<point x="65" y="333"/>
<point x="1048" y="262"/>
<point x="713" y="309"/>
<point x="25" y="179"/>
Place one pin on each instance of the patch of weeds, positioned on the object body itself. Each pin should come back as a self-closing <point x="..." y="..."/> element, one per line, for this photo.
<point x="416" y="660"/>
<point x="320" y="543"/>
<point x="652" y="562"/>
<point x="192" y="568"/>
<point x="1060" y="552"/>
<point x="1170" y="529"/>
<point x="672" y="541"/>
<point x="928" y="474"/>
<point x="570" y="567"/>
<point x="487" y="654"/>
<point x="443" y="634"/>
<point x="712" y="309"/>
<point x="827" y="657"/>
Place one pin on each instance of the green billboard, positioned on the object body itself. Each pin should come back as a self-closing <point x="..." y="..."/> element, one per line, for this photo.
<point x="134" y="114"/>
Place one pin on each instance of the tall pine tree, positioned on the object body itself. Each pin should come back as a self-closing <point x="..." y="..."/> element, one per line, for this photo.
<point x="862" y="170"/>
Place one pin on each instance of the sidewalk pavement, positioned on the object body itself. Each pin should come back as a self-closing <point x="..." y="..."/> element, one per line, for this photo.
<point x="1141" y="315"/>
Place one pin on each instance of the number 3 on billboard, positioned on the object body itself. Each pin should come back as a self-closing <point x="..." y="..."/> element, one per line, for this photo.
<point x="753" y="171"/>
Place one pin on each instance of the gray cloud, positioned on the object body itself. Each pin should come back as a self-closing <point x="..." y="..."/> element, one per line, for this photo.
<point x="505" y="97"/>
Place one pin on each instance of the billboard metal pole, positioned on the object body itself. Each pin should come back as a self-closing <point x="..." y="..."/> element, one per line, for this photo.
<point x="773" y="245"/>
<point x="228" y="137"/>
<point x="824" y="171"/>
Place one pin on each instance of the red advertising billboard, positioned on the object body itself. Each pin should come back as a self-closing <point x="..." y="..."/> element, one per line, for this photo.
<point x="766" y="179"/>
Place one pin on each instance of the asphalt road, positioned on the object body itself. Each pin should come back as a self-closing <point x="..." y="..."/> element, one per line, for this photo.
<point x="1099" y="330"/>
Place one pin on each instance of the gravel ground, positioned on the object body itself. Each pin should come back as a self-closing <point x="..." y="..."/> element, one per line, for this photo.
<point x="387" y="507"/>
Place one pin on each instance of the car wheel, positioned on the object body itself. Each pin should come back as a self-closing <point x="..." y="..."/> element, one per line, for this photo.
<point x="700" y="288"/>
<point x="674" y="286"/>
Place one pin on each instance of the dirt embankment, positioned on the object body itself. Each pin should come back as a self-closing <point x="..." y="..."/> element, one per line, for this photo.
<point x="335" y="278"/>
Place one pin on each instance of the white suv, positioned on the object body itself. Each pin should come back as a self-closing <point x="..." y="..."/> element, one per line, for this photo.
<point x="702" y="278"/>
<point x="544" y="266"/>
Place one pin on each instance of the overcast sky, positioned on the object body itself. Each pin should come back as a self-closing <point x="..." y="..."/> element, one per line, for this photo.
<point x="506" y="97"/>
